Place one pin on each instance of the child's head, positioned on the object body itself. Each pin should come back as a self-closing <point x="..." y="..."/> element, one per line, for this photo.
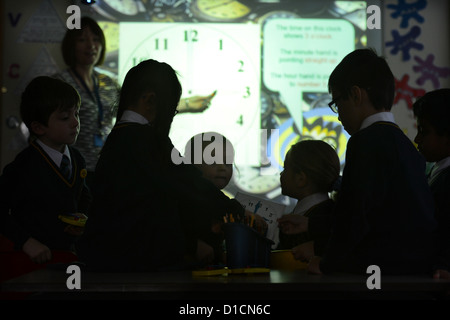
<point x="362" y="77"/>
<point x="213" y="154"/>
<point x="155" y="83"/>
<point x="433" y="124"/>
<point x="74" y="38"/>
<point x="310" y="166"/>
<point x="49" y="108"/>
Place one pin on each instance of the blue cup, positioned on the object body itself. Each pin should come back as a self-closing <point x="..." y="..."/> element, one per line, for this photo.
<point x="245" y="247"/>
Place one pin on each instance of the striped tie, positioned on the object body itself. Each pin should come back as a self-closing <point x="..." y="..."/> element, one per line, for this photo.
<point x="65" y="167"/>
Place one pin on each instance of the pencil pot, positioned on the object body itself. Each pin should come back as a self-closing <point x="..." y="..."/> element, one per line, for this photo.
<point x="245" y="247"/>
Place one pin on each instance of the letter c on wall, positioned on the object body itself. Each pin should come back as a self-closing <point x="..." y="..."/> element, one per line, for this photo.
<point x="13" y="71"/>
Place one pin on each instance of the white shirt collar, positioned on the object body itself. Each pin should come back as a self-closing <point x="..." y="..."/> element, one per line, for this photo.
<point x="308" y="202"/>
<point x="55" y="155"/>
<point x="380" y="116"/>
<point x="438" y="167"/>
<point x="131" y="116"/>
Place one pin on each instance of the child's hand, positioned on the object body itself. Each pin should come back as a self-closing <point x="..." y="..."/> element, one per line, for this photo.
<point x="205" y="253"/>
<point x="441" y="274"/>
<point x="293" y="223"/>
<point x="258" y="222"/>
<point x="216" y="227"/>
<point x="304" y="252"/>
<point x="37" y="251"/>
<point x="314" y="265"/>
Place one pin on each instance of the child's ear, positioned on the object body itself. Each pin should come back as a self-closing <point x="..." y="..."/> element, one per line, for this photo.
<point x="38" y="128"/>
<point x="148" y="99"/>
<point x="147" y="105"/>
<point x="356" y="94"/>
<point x="301" y="179"/>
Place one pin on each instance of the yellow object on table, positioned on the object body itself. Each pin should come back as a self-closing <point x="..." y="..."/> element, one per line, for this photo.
<point x="284" y="260"/>
<point x="250" y="270"/>
<point x="227" y="271"/>
<point x="211" y="272"/>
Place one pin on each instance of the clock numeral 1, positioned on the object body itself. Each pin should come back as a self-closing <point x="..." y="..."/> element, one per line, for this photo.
<point x="191" y="35"/>
<point x="220" y="44"/>
<point x="157" y="44"/>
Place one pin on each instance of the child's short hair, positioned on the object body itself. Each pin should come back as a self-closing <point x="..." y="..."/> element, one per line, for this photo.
<point x="365" y="69"/>
<point x="44" y="95"/>
<point x="196" y="153"/>
<point x="318" y="161"/>
<point x="70" y="39"/>
<point x="434" y="106"/>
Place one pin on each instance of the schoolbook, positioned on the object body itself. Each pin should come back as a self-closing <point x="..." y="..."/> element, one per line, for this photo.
<point x="268" y="210"/>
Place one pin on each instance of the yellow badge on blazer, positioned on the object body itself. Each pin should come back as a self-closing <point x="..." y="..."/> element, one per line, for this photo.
<point x="83" y="173"/>
<point x="75" y="219"/>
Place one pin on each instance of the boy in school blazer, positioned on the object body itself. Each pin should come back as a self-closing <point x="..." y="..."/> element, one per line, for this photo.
<point x="36" y="188"/>
<point x="385" y="214"/>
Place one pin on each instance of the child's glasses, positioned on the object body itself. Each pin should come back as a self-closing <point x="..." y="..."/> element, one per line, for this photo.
<point x="333" y="106"/>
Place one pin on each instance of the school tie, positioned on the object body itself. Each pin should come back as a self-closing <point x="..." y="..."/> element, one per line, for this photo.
<point x="65" y="166"/>
<point x="429" y="175"/>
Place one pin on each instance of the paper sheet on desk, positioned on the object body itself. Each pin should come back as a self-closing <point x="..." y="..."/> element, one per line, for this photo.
<point x="269" y="211"/>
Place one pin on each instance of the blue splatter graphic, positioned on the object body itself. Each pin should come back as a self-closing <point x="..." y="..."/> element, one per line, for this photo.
<point x="408" y="11"/>
<point x="405" y="43"/>
<point x="430" y="71"/>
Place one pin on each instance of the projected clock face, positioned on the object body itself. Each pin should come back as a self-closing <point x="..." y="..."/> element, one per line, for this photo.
<point x="221" y="58"/>
<point x="250" y="180"/>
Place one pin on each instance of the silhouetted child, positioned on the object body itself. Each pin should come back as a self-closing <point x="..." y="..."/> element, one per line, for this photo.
<point x="433" y="139"/>
<point x="311" y="172"/>
<point x="134" y="222"/>
<point x="39" y="186"/>
<point x="213" y="155"/>
<point x="384" y="214"/>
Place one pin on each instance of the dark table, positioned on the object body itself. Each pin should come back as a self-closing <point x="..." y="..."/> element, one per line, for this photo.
<point x="270" y="286"/>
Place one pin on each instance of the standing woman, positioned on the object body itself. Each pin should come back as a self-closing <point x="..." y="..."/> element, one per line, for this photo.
<point x="83" y="50"/>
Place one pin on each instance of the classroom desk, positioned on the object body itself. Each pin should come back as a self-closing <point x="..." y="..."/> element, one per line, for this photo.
<point x="277" y="284"/>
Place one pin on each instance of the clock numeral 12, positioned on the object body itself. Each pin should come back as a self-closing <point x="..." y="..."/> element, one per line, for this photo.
<point x="191" y="35"/>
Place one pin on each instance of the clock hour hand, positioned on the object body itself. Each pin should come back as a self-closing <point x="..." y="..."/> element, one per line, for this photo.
<point x="195" y="103"/>
<point x="208" y="100"/>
